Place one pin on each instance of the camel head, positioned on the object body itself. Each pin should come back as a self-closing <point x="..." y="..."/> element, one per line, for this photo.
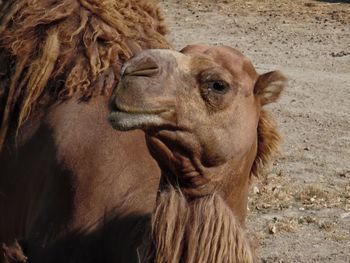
<point x="200" y="110"/>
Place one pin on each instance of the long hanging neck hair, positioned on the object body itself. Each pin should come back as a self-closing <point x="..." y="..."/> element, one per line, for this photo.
<point x="200" y="230"/>
<point x="205" y="229"/>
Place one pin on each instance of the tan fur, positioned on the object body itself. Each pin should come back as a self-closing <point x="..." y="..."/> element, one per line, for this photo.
<point x="268" y="142"/>
<point x="68" y="47"/>
<point x="200" y="230"/>
<point x="202" y="219"/>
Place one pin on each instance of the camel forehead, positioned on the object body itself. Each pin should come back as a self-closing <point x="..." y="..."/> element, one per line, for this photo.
<point x="226" y="57"/>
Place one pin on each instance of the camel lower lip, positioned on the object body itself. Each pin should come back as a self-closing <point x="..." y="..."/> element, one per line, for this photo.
<point x="124" y="121"/>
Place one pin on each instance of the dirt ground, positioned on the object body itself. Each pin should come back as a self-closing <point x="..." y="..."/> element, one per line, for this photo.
<point x="300" y="209"/>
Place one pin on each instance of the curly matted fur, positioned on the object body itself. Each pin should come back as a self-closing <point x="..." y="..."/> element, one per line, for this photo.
<point x="200" y="230"/>
<point x="56" y="49"/>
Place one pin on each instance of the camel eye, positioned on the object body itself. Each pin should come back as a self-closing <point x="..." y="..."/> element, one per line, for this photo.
<point x="218" y="86"/>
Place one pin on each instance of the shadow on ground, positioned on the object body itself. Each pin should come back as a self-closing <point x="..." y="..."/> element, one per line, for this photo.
<point x="335" y="1"/>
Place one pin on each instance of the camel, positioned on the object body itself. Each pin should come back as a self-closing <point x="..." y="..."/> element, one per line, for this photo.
<point x="72" y="189"/>
<point x="201" y="110"/>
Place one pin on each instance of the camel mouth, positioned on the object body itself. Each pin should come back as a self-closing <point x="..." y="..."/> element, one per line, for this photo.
<point x="138" y="119"/>
<point x="125" y="121"/>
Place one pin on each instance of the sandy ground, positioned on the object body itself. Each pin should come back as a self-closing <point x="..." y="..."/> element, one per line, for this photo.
<point x="300" y="209"/>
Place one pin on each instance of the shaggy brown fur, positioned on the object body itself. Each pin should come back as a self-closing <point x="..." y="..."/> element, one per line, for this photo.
<point x="54" y="49"/>
<point x="200" y="230"/>
<point x="268" y="142"/>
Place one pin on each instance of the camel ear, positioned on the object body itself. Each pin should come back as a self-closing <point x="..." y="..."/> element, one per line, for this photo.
<point x="269" y="86"/>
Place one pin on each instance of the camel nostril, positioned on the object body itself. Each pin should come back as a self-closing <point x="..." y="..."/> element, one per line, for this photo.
<point x="143" y="67"/>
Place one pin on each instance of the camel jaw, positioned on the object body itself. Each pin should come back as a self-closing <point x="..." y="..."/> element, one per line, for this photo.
<point x="125" y="121"/>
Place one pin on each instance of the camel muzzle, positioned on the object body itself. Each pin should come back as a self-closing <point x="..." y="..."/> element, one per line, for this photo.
<point x="145" y="96"/>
